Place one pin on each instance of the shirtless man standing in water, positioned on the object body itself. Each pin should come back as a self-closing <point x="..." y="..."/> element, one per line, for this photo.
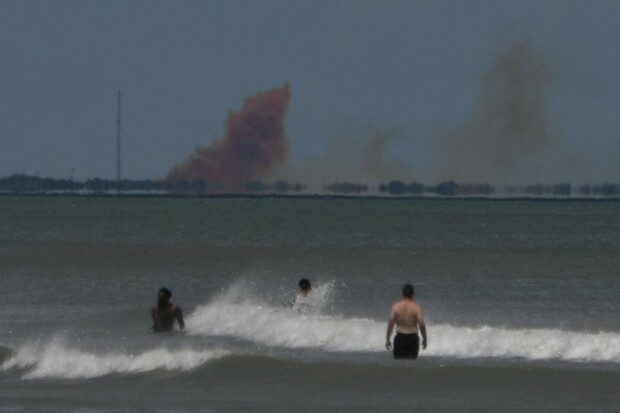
<point x="300" y="303"/>
<point x="165" y="313"/>
<point x="407" y="315"/>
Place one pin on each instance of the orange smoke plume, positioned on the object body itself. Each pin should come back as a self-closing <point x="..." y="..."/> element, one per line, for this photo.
<point x="254" y="144"/>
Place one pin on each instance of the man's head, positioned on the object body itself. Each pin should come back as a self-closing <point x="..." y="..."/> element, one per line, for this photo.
<point x="304" y="285"/>
<point x="408" y="291"/>
<point x="163" y="296"/>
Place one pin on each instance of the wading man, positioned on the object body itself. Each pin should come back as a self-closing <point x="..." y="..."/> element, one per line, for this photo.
<point x="304" y="288"/>
<point x="301" y="303"/>
<point x="164" y="313"/>
<point x="408" y="317"/>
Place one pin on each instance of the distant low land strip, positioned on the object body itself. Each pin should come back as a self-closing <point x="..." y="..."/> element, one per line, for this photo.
<point x="27" y="184"/>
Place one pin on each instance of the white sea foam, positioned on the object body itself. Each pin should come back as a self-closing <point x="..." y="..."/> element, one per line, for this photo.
<point x="57" y="360"/>
<point x="533" y="344"/>
<point x="301" y="325"/>
<point x="286" y="327"/>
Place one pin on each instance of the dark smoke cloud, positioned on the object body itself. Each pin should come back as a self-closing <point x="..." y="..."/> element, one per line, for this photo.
<point x="376" y="165"/>
<point x="503" y="138"/>
<point x="253" y="146"/>
<point x="357" y="153"/>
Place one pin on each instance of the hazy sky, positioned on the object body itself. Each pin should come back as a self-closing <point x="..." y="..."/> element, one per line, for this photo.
<point x="411" y="72"/>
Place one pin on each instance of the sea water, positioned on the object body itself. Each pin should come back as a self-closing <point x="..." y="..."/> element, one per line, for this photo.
<point x="520" y="299"/>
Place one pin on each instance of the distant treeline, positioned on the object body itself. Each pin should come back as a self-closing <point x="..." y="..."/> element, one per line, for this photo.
<point x="20" y="183"/>
<point x="34" y="184"/>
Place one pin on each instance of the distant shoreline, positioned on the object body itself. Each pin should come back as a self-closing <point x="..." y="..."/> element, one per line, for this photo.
<point x="394" y="189"/>
<point x="130" y="195"/>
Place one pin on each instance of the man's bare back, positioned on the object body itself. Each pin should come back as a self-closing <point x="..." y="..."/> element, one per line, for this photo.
<point x="407" y="315"/>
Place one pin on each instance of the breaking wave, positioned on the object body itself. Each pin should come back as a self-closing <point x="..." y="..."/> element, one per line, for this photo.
<point x="295" y="328"/>
<point x="291" y="328"/>
<point x="57" y="360"/>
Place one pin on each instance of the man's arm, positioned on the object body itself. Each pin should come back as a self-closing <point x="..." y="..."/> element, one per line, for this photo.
<point x="390" y="328"/>
<point x="180" y="318"/>
<point x="422" y="326"/>
<point x="156" y="323"/>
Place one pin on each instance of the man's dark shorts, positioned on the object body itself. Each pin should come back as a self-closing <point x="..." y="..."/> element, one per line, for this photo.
<point x="406" y="346"/>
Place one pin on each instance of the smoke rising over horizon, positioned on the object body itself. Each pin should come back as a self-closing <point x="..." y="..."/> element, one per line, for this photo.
<point x="358" y="152"/>
<point x="508" y="132"/>
<point x="508" y="138"/>
<point x="253" y="146"/>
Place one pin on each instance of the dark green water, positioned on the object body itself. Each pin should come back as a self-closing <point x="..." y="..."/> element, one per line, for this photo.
<point x="521" y="300"/>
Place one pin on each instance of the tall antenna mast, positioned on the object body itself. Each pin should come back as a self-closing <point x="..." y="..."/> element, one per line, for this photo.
<point x="118" y="142"/>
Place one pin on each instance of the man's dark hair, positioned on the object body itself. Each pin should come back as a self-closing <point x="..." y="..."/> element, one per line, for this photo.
<point x="166" y="291"/>
<point x="408" y="290"/>
<point x="304" y="283"/>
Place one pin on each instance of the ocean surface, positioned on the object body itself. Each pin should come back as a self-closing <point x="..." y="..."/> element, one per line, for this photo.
<point x="521" y="298"/>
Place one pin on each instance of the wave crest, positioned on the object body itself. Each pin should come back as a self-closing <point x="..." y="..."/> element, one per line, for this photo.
<point x="57" y="360"/>
<point x="285" y="327"/>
